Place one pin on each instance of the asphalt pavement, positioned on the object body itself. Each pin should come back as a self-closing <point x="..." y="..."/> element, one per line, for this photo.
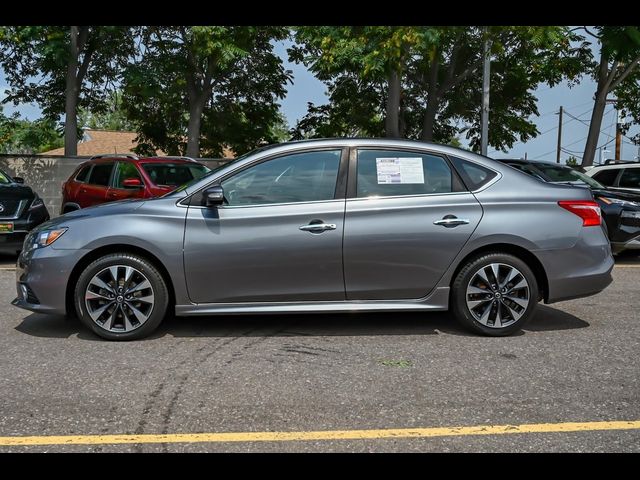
<point x="576" y="361"/>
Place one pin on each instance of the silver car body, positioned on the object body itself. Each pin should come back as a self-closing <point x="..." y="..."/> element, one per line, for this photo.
<point x="385" y="253"/>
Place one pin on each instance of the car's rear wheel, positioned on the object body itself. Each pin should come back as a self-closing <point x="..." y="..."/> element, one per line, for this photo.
<point x="494" y="294"/>
<point x="121" y="297"/>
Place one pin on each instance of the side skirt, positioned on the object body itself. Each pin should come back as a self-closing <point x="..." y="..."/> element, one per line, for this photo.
<point x="438" y="300"/>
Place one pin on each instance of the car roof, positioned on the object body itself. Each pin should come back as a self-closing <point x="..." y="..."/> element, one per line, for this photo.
<point x="132" y="159"/>
<point x="617" y="165"/>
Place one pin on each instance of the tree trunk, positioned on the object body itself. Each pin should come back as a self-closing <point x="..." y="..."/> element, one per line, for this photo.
<point x="196" y="106"/>
<point x="598" y="111"/>
<point x="71" y="98"/>
<point x="392" y="119"/>
<point x="594" y="129"/>
<point x="429" y="119"/>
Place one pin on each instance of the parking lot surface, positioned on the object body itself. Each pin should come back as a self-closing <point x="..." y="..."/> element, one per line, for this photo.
<point x="576" y="361"/>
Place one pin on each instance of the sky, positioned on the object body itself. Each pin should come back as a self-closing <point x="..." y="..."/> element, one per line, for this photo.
<point x="577" y="101"/>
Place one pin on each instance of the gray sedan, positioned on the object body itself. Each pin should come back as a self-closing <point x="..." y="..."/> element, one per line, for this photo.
<point x="324" y="226"/>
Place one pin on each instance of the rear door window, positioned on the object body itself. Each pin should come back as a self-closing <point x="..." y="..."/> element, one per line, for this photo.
<point x="387" y="173"/>
<point x="607" y="177"/>
<point x="630" y="178"/>
<point x="101" y="174"/>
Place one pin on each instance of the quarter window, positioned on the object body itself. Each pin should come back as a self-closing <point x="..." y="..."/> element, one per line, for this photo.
<point x="607" y="177"/>
<point x="388" y="173"/>
<point x="630" y="178"/>
<point x="476" y="176"/>
<point x="300" y="177"/>
<point x="101" y="174"/>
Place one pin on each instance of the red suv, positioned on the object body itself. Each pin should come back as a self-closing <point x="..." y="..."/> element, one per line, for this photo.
<point x="108" y="178"/>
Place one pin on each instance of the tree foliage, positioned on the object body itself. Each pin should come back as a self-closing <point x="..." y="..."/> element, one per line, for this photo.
<point x="198" y="89"/>
<point x="616" y="71"/>
<point x="60" y="68"/>
<point x="435" y="75"/>
<point x="21" y="136"/>
<point x="112" y="117"/>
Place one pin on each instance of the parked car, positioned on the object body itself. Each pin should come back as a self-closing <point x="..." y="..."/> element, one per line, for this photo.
<point x="108" y="178"/>
<point x="618" y="176"/>
<point x="21" y="209"/>
<point x="337" y="225"/>
<point x="620" y="210"/>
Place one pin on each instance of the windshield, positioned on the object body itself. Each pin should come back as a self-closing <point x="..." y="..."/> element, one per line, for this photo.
<point x="557" y="173"/>
<point x="4" y="178"/>
<point x="220" y="167"/>
<point x="174" y="174"/>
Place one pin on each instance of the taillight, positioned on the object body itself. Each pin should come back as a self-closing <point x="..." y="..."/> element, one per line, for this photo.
<point x="587" y="210"/>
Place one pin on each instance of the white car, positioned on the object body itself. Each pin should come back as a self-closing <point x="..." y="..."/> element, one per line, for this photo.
<point x="621" y="176"/>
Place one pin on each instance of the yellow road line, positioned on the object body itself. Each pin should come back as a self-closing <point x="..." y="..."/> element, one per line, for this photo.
<point x="320" y="435"/>
<point x="627" y="266"/>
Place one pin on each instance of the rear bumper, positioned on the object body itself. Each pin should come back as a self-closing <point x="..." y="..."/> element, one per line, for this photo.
<point x="580" y="271"/>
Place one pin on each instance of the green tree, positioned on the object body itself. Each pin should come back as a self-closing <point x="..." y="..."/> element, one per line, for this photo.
<point x="113" y="117"/>
<point x="22" y="136"/>
<point x="615" y="71"/>
<point x="63" y="67"/>
<point x="425" y="82"/>
<point x="197" y="89"/>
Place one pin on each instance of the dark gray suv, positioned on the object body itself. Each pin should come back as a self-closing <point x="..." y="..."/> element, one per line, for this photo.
<point x="325" y="226"/>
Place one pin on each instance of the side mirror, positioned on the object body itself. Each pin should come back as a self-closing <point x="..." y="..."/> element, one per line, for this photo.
<point x="213" y="196"/>
<point x="132" y="183"/>
<point x="18" y="179"/>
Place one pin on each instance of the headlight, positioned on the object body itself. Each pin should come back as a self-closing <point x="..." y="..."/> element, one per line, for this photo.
<point x="617" y="201"/>
<point x="47" y="237"/>
<point x="36" y="203"/>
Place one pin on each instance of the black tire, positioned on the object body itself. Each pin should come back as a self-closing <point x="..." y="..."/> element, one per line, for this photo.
<point x="459" y="292"/>
<point x="160" y="293"/>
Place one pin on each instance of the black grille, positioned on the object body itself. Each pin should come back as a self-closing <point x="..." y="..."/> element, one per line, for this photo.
<point x="30" y="297"/>
<point x="8" y="208"/>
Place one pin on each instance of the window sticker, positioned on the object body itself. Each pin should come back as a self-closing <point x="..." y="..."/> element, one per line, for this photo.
<point x="394" y="170"/>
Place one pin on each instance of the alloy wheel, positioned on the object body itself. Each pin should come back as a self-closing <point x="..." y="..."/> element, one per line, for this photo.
<point x="497" y="295"/>
<point x="119" y="298"/>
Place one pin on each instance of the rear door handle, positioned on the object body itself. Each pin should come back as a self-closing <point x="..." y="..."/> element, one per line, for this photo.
<point x="451" y="221"/>
<point x="318" y="227"/>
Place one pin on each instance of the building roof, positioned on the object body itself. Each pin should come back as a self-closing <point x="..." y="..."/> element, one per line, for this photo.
<point x="98" y="142"/>
<point x="101" y="142"/>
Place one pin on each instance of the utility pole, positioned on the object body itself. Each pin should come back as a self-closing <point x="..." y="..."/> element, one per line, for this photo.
<point x="525" y="155"/>
<point x="618" y="135"/>
<point x="484" y="136"/>
<point x="559" y="134"/>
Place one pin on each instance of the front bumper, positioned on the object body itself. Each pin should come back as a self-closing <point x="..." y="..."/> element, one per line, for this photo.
<point x="44" y="273"/>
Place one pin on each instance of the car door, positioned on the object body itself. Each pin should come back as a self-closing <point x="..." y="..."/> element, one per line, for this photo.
<point x="407" y="217"/>
<point x="94" y="191"/>
<point x="124" y="171"/>
<point x="277" y="237"/>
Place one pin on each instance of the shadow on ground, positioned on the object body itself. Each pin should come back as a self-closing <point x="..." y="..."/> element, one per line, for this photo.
<point x="347" y="324"/>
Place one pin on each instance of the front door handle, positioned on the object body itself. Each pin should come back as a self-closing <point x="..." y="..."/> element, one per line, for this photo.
<point x="318" y="227"/>
<point x="451" y="221"/>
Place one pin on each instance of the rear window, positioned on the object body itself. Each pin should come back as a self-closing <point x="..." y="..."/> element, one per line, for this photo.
<point x="607" y="177"/>
<point x="173" y="174"/>
<point x="474" y="176"/>
<point x="101" y="174"/>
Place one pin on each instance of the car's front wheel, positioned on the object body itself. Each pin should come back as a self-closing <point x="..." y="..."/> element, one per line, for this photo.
<point x="121" y="297"/>
<point x="494" y="294"/>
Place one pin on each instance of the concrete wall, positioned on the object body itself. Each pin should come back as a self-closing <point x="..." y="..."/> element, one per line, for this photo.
<point x="45" y="174"/>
